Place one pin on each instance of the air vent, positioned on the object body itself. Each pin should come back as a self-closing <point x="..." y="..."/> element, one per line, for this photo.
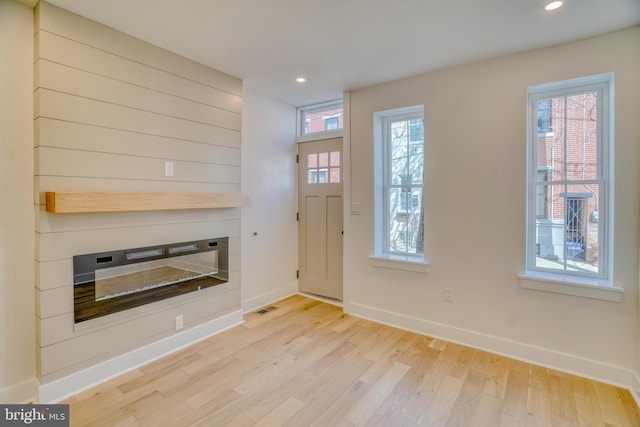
<point x="266" y="310"/>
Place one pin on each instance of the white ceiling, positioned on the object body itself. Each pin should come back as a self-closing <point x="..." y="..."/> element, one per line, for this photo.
<point x="341" y="45"/>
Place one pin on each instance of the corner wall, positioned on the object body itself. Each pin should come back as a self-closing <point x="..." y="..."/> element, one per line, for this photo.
<point x="475" y="137"/>
<point x="109" y="111"/>
<point x="270" y="256"/>
<point x="17" y="326"/>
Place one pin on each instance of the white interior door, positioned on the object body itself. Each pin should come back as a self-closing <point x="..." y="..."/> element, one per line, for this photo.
<point x="320" y="222"/>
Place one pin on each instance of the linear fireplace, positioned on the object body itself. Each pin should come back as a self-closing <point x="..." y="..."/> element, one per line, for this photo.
<point x="109" y="282"/>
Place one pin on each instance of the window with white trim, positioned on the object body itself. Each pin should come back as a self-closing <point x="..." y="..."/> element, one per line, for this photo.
<point x="569" y="179"/>
<point x="399" y="180"/>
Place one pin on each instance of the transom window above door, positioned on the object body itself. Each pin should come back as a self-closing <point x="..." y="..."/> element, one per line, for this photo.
<point x="320" y="120"/>
<point x="324" y="168"/>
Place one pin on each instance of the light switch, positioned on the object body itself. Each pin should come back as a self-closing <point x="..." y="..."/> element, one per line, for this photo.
<point x="355" y="208"/>
<point x="168" y="168"/>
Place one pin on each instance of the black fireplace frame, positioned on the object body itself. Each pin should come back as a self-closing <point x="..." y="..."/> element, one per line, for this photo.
<point x="86" y="306"/>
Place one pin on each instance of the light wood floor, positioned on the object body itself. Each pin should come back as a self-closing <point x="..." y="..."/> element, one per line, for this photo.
<point x="305" y="363"/>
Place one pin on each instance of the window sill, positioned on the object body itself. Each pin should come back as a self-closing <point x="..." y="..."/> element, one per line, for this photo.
<point x="571" y="286"/>
<point x="399" y="262"/>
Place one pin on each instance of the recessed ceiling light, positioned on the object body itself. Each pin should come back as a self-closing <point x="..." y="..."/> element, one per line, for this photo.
<point x="301" y="79"/>
<point x="553" y="5"/>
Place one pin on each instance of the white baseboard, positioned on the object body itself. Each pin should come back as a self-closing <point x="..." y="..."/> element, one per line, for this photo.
<point x="24" y="392"/>
<point x="564" y="362"/>
<point x="634" y="387"/>
<point x="270" y="297"/>
<point x="63" y="388"/>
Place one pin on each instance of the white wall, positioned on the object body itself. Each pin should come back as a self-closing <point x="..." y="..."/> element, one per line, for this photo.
<point x="270" y="258"/>
<point x="17" y="324"/>
<point x="475" y="135"/>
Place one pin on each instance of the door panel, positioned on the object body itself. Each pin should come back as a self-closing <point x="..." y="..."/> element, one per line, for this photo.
<point x="320" y="226"/>
<point x="312" y="233"/>
<point x="334" y="240"/>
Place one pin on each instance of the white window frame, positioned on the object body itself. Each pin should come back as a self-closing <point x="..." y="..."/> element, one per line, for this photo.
<point x="303" y="136"/>
<point x="381" y="256"/>
<point x="597" y="285"/>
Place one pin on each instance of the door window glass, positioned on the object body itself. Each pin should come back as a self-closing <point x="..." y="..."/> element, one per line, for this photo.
<point x="323" y="168"/>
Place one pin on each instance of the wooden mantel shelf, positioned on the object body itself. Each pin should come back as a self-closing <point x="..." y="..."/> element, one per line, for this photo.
<point x="78" y="202"/>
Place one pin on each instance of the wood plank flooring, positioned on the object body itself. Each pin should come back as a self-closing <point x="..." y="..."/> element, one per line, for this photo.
<point x="305" y="363"/>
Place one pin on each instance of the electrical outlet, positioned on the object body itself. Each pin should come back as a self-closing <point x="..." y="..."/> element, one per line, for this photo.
<point x="448" y="294"/>
<point x="168" y="168"/>
<point x="179" y="322"/>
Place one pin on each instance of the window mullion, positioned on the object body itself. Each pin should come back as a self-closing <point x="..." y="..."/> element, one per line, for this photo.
<point x="564" y="139"/>
<point x="564" y="228"/>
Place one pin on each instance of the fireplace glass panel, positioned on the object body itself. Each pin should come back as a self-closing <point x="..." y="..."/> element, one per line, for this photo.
<point x="126" y="279"/>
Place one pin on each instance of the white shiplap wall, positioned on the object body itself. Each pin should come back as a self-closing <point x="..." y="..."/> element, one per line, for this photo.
<point x="109" y="109"/>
